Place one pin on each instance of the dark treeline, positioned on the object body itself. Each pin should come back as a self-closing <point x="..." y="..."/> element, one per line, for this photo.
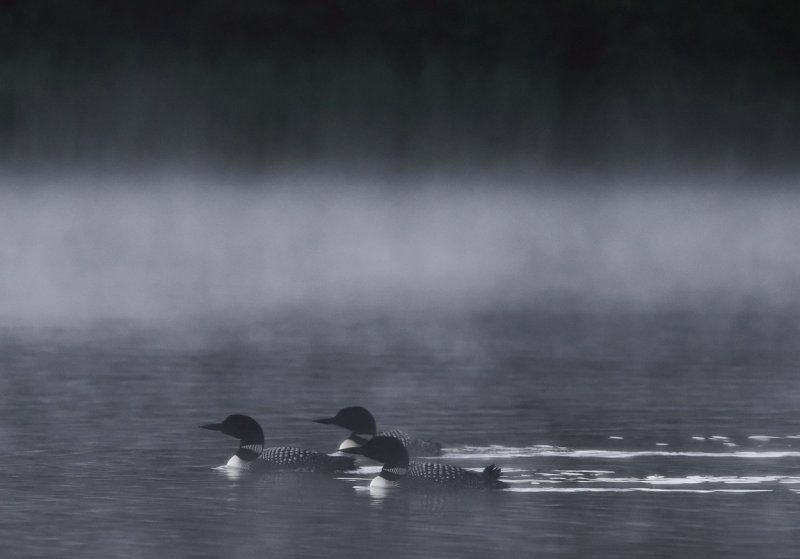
<point x="570" y="84"/>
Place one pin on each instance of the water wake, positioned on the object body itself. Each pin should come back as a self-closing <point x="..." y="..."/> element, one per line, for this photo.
<point x="499" y="451"/>
<point x="628" y="490"/>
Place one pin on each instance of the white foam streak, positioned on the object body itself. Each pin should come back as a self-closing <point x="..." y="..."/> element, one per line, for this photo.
<point x="627" y="490"/>
<point x="495" y="452"/>
<point x="692" y="480"/>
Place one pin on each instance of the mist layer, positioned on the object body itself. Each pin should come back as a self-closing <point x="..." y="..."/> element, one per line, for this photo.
<point x="181" y="247"/>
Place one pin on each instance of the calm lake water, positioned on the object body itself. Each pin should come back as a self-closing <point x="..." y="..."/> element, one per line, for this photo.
<point x="656" y="434"/>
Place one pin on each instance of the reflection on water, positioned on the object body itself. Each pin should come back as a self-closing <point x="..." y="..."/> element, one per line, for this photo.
<point x="619" y="434"/>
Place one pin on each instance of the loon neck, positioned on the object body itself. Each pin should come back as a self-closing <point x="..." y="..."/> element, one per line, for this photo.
<point x="249" y="451"/>
<point x="361" y="438"/>
<point x="394" y="473"/>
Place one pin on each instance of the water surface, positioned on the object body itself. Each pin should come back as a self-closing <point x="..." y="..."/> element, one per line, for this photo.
<point x="621" y="433"/>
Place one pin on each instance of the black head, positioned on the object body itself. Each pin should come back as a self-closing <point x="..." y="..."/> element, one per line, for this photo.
<point x="388" y="450"/>
<point x="242" y="427"/>
<point x="355" y="418"/>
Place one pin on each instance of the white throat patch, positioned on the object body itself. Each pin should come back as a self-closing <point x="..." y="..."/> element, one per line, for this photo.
<point x="350" y="443"/>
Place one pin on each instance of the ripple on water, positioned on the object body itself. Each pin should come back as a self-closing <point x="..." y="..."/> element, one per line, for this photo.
<point x="499" y="451"/>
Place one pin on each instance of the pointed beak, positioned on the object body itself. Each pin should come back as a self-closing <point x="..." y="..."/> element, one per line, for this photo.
<point x="212" y="427"/>
<point x="325" y="421"/>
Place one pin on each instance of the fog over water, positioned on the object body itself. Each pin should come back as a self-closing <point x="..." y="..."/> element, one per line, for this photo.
<point x="178" y="246"/>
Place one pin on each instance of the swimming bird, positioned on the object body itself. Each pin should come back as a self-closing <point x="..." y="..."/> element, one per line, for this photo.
<point x="361" y="423"/>
<point x="397" y="471"/>
<point x="253" y="456"/>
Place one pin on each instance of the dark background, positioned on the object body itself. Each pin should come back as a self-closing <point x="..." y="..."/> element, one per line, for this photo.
<point x="401" y="85"/>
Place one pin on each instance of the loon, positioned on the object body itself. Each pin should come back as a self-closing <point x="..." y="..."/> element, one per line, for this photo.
<point x="362" y="424"/>
<point x="397" y="471"/>
<point x="253" y="456"/>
